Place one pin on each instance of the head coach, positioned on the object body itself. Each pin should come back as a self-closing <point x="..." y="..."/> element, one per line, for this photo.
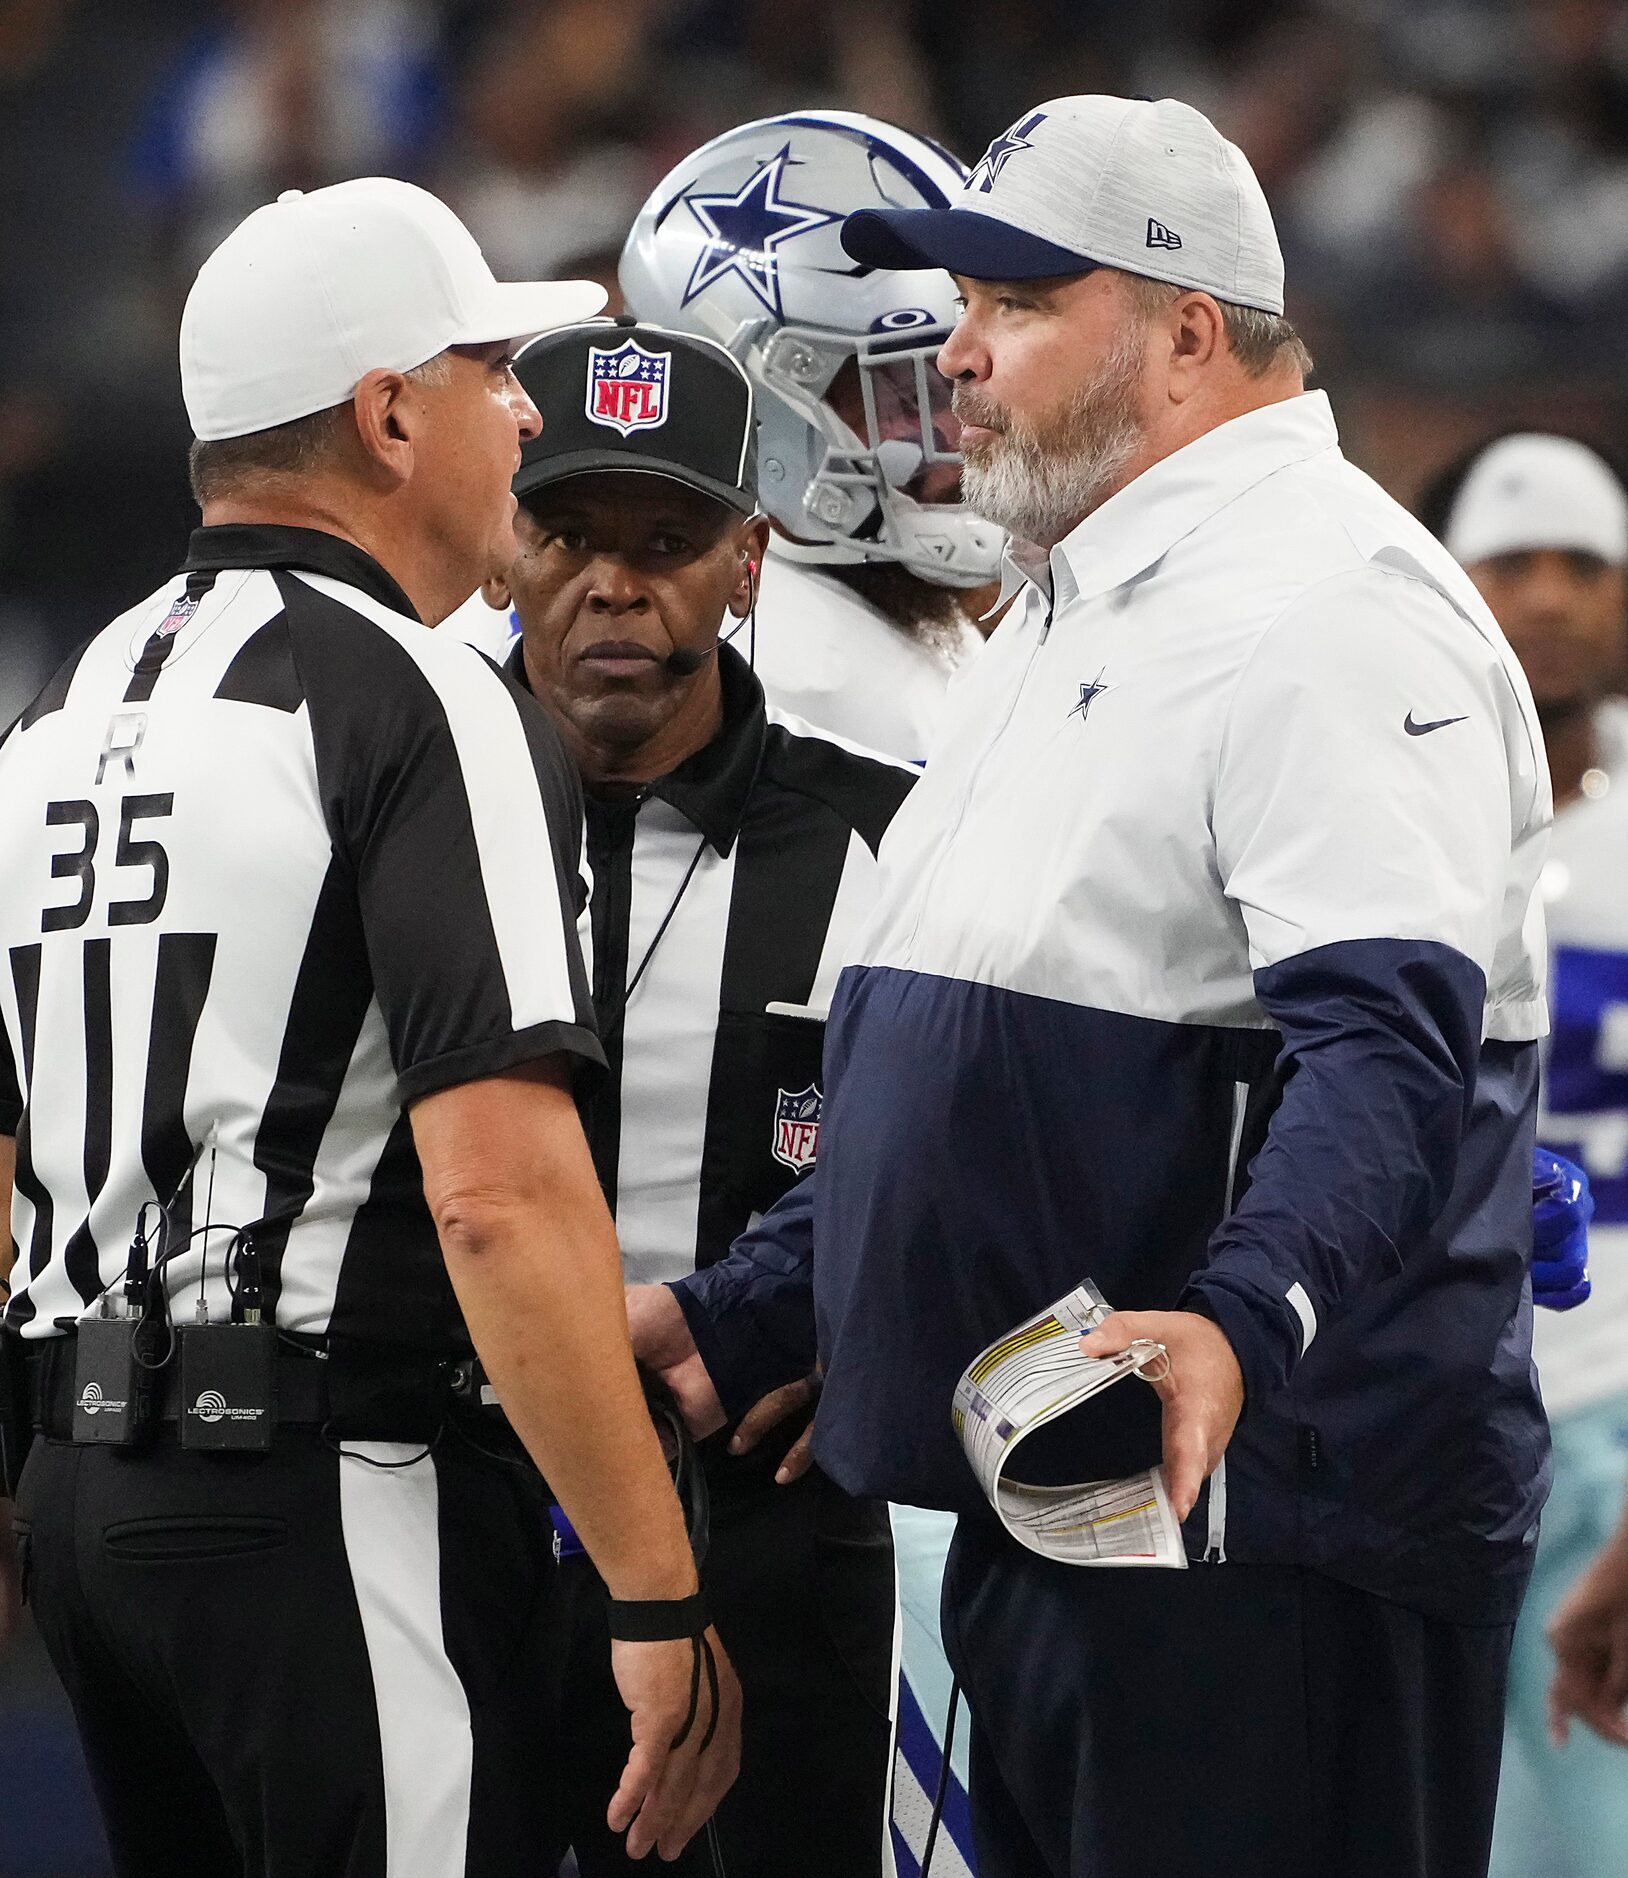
<point x="292" y="1008"/>
<point x="1207" y="963"/>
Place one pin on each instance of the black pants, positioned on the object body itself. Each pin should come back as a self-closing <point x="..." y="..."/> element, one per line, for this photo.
<point x="282" y="1664"/>
<point x="1229" y="1721"/>
<point x="800" y="1580"/>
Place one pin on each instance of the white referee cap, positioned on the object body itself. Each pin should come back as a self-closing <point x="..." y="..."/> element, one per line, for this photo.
<point x="1538" y="491"/>
<point x="313" y="291"/>
<point x="1149" y="186"/>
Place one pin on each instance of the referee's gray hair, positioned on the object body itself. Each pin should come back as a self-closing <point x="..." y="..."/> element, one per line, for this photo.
<point x="1259" y="341"/>
<point x="226" y="465"/>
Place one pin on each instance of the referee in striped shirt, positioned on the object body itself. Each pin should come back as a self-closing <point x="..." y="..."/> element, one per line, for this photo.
<point x="292" y="993"/>
<point x="733" y="855"/>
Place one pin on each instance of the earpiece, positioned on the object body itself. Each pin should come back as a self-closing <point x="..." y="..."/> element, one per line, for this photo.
<point x="684" y="664"/>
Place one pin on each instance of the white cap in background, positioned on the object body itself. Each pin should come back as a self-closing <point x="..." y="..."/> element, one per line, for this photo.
<point x="312" y="292"/>
<point x="1537" y="491"/>
<point x="1151" y="187"/>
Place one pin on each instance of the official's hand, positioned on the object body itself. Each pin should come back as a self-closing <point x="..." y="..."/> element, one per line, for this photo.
<point x="671" y="1788"/>
<point x="662" y="1342"/>
<point x="1589" y="1633"/>
<point x="777" y="1406"/>
<point x="1202" y="1391"/>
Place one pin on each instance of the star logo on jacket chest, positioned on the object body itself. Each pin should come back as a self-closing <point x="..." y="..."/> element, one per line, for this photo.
<point x="1089" y="693"/>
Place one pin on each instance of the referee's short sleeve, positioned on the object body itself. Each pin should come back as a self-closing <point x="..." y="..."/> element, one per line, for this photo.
<point x="450" y="798"/>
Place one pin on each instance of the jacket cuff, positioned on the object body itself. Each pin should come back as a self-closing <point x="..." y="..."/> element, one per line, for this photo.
<point x="748" y="1357"/>
<point x="1266" y="1333"/>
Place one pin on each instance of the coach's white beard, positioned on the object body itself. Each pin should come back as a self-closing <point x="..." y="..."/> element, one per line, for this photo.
<point x="1038" y="484"/>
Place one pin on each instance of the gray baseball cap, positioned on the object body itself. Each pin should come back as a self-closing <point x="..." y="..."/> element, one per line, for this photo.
<point x="1149" y="186"/>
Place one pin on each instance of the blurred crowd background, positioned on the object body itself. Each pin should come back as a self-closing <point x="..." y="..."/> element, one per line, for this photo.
<point x="1450" y="179"/>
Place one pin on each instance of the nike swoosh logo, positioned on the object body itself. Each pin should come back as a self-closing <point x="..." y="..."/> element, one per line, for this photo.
<point x="1419" y="730"/>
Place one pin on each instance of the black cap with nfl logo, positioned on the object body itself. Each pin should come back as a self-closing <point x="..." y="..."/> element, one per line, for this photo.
<point x="622" y="395"/>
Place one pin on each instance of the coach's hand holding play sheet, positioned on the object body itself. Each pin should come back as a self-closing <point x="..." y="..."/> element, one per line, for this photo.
<point x="1053" y="1362"/>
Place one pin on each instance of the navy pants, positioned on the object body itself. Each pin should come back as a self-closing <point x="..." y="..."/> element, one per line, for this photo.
<point x="1229" y="1721"/>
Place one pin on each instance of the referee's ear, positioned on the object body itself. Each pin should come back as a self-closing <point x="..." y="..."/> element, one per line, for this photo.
<point x="751" y="544"/>
<point x="383" y="405"/>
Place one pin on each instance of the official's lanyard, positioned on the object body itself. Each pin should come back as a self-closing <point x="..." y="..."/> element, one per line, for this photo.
<point x="609" y="1025"/>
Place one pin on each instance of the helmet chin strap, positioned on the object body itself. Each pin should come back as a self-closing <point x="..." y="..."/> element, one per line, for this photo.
<point x="818" y="553"/>
<point x="939" y="573"/>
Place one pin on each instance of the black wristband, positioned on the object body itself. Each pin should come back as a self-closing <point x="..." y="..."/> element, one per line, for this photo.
<point x="658" y="1620"/>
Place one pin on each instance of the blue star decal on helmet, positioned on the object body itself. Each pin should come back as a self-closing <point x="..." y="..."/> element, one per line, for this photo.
<point x="744" y="230"/>
<point x="1003" y="149"/>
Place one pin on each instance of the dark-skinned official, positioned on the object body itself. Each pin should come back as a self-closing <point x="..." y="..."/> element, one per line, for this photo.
<point x="732" y="851"/>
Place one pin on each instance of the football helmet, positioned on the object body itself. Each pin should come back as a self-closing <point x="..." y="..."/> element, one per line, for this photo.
<point x="857" y="445"/>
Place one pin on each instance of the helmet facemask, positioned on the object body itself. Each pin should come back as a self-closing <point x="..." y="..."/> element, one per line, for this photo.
<point x="860" y="453"/>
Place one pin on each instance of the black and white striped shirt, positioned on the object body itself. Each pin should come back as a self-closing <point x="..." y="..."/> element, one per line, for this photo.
<point x="277" y="861"/>
<point x="755" y="863"/>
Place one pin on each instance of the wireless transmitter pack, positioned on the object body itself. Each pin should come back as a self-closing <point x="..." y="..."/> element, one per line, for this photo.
<point x="113" y="1383"/>
<point x="229" y="1372"/>
<point x="117" y="1363"/>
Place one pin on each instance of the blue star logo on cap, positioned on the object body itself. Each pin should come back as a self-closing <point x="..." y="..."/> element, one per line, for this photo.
<point x="1002" y="150"/>
<point x="745" y="230"/>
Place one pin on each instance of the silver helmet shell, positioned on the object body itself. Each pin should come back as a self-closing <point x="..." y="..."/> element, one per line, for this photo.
<point x="857" y="444"/>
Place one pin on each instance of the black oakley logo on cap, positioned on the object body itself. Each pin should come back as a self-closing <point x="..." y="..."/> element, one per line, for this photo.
<point x="627" y="387"/>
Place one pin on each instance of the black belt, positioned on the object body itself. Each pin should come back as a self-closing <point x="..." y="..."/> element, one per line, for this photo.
<point x="354" y="1393"/>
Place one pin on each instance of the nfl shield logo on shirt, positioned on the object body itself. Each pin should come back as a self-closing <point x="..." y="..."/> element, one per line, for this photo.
<point x="627" y="388"/>
<point x="797" y="1127"/>
<point x="176" y="618"/>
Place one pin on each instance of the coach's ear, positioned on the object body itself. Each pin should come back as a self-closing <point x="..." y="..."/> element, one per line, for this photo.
<point x="494" y="590"/>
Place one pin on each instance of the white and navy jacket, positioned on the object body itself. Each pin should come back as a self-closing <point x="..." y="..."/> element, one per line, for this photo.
<point x="1209" y="964"/>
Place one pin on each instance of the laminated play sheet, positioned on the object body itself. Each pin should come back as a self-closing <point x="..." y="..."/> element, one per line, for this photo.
<point x="1029" y="1377"/>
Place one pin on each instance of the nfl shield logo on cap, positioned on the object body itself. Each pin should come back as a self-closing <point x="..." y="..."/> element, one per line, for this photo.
<point x="627" y="387"/>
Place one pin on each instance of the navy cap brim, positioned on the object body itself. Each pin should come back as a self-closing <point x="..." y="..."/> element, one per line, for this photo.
<point x="546" y="471"/>
<point x="959" y="240"/>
